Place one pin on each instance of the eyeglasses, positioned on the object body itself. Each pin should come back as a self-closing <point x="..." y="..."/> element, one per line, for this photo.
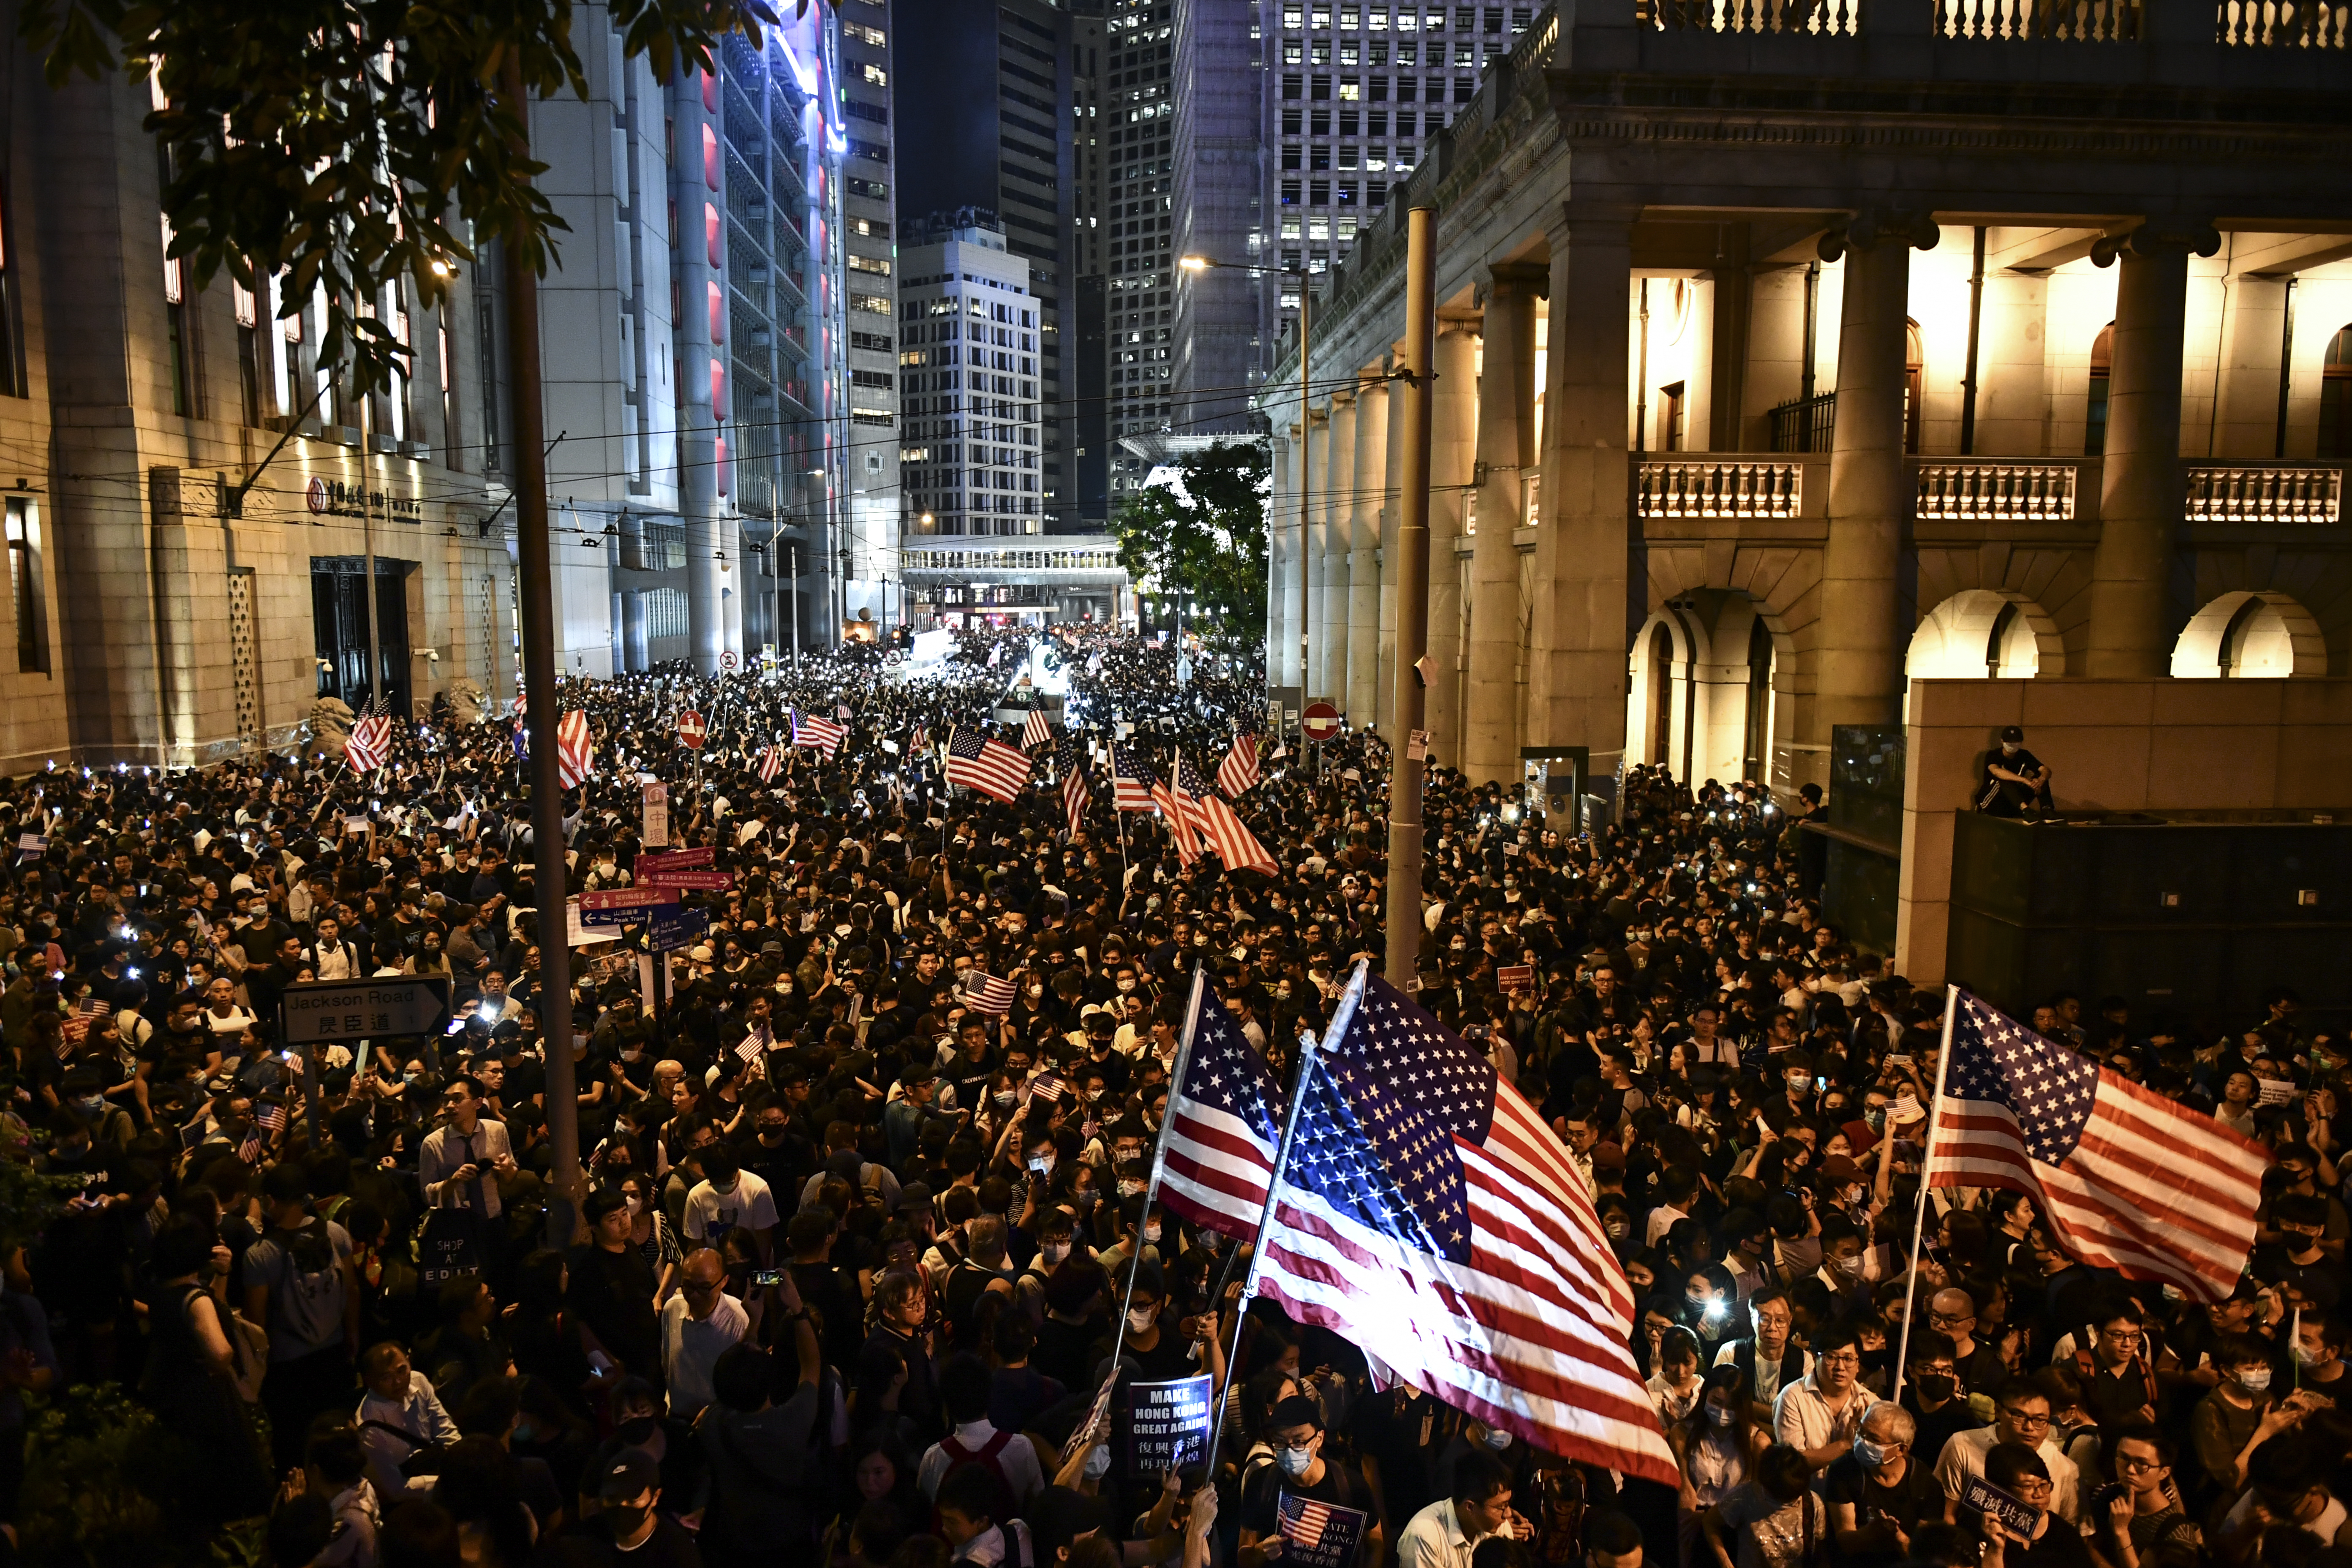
<point x="2139" y="1467"/>
<point x="1950" y="1320"/>
<point x="1841" y="1358"/>
<point x="2023" y="1421"/>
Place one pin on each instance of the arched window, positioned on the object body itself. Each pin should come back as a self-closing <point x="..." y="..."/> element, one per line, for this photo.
<point x="1915" y="365"/>
<point x="2336" y="398"/>
<point x="2094" y="414"/>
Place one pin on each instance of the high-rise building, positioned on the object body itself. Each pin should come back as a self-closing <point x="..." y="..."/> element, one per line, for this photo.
<point x="987" y="92"/>
<point x="1223" y="315"/>
<point x="877" y="511"/>
<point x="1353" y="91"/>
<point x="968" y="329"/>
<point x="1138" y="107"/>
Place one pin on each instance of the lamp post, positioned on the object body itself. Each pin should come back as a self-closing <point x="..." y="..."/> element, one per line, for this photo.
<point x="1306" y="426"/>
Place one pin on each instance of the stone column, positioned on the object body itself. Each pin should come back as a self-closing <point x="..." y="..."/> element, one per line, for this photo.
<point x="1859" y="676"/>
<point x="1364" y="506"/>
<point x="1339" y="480"/>
<point x="1453" y="447"/>
<point x="1314" y="466"/>
<point x="1278" y="558"/>
<point x="1506" y="453"/>
<point x="2132" y="624"/>
<point x="1582" y="628"/>
<point x="1391" y="518"/>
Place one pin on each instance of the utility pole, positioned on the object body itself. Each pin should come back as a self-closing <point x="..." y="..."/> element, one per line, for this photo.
<point x="1412" y="599"/>
<point x="538" y="609"/>
<point x="367" y="561"/>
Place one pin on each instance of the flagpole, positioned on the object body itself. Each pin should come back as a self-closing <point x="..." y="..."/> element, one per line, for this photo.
<point x="1307" y="1047"/>
<point x="1927" y="1152"/>
<point x="1159" y="1156"/>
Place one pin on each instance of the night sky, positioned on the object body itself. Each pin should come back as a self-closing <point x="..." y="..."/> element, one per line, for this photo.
<point x="945" y="57"/>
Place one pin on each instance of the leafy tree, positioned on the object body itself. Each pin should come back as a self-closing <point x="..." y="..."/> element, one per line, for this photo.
<point x="1204" y="536"/>
<point x="349" y="143"/>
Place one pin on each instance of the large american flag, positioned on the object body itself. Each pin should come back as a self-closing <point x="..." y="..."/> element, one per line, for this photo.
<point x="369" y="746"/>
<point x="575" y="753"/>
<point x="1207" y="813"/>
<point x="1180" y="820"/>
<point x="992" y="767"/>
<point x="817" y="734"/>
<point x="1427" y="1214"/>
<point x="1075" y="797"/>
<point x="2130" y="1180"/>
<point x="1132" y="783"/>
<point x="1239" y="770"/>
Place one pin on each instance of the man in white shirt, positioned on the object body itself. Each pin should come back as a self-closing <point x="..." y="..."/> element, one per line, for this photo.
<point x="699" y="1324"/>
<point x="1820" y="1414"/>
<point x="2020" y="1414"/>
<point x="459" y="1161"/>
<point x="332" y="958"/>
<point x="1446" y="1533"/>
<point x="728" y="1195"/>
<point x="402" y="1400"/>
<point x="964" y="1386"/>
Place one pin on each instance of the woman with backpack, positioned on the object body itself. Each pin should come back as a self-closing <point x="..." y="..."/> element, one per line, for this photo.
<point x="200" y="1354"/>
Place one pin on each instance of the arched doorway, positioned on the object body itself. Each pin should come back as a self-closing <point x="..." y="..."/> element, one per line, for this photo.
<point x="1660" y="748"/>
<point x="1756" y="746"/>
<point x="2250" y="635"/>
<point x="2336" y="398"/>
<point x="2095" y="410"/>
<point x="1914" y="369"/>
<point x="1982" y="633"/>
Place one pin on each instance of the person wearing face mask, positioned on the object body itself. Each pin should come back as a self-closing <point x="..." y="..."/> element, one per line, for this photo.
<point x="1879" y="1495"/>
<point x="2011" y="781"/>
<point x="1156" y="1346"/>
<point x="1301" y="1468"/>
<point x="1931" y="1393"/>
<point x="629" y="1526"/>
<point x="2243" y="1412"/>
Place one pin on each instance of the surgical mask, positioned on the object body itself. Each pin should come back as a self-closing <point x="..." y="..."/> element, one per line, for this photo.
<point x="1004" y="1096"/>
<point x="1055" y="1251"/>
<point x="1718" y="1416"/>
<point x="635" y="1205"/>
<point x="2255" y="1379"/>
<point x="1128" y="1189"/>
<point x="1127" y="985"/>
<point x="1869" y="1453"/>
<point x="2303" y="1356"/>
<point x="1855" y="1194"/>
<point x="1042" y="1163"/>
<point x="1141" y="1319"/>
<point x="1035" y="992"/>
<point x="1616" y="1229"/>
<point x="91" y="1104"/>
<point x="1151" y="1234"/>
<point x="1497" y="1438"/>
<point x="1294" y="1461"/>
<point x="1800" y="1081"/>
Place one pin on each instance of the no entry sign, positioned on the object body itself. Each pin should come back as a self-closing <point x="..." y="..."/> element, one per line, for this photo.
<point x="692" y="729"/>
<point x="1320" y="722"/>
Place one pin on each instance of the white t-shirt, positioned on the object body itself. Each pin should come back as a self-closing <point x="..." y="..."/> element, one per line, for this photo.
<point x="710" y="1213"/>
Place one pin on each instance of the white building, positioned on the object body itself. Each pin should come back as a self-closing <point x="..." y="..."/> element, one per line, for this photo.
<point x="967" y="356"/>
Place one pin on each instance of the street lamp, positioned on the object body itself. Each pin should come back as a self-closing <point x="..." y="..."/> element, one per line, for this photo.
<point x="1306" y="429"/>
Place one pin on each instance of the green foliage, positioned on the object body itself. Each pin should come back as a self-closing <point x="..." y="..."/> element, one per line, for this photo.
<point x="93" y="1457"/>
<point x="349" y="143"/>
<point x="28" y="1200"/>
<point x="1206" y="538"/>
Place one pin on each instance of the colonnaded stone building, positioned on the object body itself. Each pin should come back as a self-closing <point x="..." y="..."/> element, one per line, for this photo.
<point x="1791" y="351"/>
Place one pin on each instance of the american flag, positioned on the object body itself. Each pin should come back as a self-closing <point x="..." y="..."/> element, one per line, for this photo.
<point x="250" y="1149"/>
<point x="992" y="767"/>
<point x="1131" y="784"/>
<point x="771" y="762"/>
<point x="575" y="753"/>
<point x="919" y="741"/>
<point x="1179" y="820"/>
<point x="1049" y="1087"/>
<point x="1239" y="770"/>
<point x="1076" y="796"/>
<point x="269" y="1117"/>
<point x="1218" y="823"/>
<point x="818" y="735"/>
<point x="1427" y="1214"/>
<point x="984" y="993"/>
<point x="1034" y="731"/>
<point x="370" y="745"/>
<point x="2130" y="1181"/>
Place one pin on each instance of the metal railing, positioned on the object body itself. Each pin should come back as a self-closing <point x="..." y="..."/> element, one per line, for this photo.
<point x="1805" y="425"/>
<point x="1826" y="18"/>
<point x="2263" y="492"/>
<point x="1995" y="490"/>
<point x="1723" y="488"/>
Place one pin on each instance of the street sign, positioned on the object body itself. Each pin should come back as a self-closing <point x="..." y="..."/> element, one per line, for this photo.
<point x="676" y="860"/>
<point x="672" y="929"/>
<point x="656" y="817"/>
<point x="1320" y="722"/>
<point x="728" y="658"/>
<point x="603" y="901"/>
<point x="692" y="729"/>
<point x="318" y="1010"/>
<point x="697" y="882"/>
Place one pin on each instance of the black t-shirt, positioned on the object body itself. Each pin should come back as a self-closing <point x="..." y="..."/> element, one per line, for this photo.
<point x="671" y="1545"/>
<point x="1916" y="1497"/>
<point x="1342" y="1485"/>
<point x="613" y="1294"/>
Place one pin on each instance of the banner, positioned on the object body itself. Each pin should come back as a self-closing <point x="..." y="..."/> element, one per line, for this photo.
<point x="1318" y="1534"/>
<point x="656" y="832"/>
<point x="1167" y="1425"/>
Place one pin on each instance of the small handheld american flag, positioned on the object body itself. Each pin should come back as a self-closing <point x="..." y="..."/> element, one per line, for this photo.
<point x="771" y="762"/>
<point x="1076" y="796"/>
<point x="1132" y="783"/>
<point x="984" y="993"/>
<point x="575" y="752"/>
<point x="1239" y="770"/>
<point x="369" y="746"/>
<point x="1034" y="731"/>
<point x="817" y="734"/>
<point x="992" y="767"/>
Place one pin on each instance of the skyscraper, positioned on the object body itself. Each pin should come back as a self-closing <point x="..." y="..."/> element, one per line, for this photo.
<point x="876" y="509"/>
<point x="1222" y="317"/>
<point x="1139" y="110"/>
<point x="969" y="335"/>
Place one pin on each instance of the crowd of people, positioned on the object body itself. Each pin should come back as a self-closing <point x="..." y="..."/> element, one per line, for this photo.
<point x="865" y="1261"/>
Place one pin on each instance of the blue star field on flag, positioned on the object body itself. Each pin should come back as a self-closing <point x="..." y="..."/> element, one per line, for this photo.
<point x="2047" y="1087"/>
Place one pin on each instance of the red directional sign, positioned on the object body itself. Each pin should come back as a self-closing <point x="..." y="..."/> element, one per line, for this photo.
<point x="696" y="881"/>
<point x="1320" y="722"/>
<point x="626" y="898"/>
<point x="691" y="729"/>
<point x="676" y="860"/>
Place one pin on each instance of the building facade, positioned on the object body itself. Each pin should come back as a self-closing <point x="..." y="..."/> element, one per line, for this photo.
<point x="968" y="334"/>
<point x="1748" y="413"/>
<point x="877" y="511"/>
<point x="1222" y="317"/>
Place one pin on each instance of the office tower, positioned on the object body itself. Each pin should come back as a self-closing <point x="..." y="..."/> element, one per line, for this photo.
<point x="876" y="509"/>
<point x="1221" y="314"/>
<point x="968" y="334"/>
<point x="987" y="92"/>
<point x="1139" y="169"/>
<point x="1352" y="91"/>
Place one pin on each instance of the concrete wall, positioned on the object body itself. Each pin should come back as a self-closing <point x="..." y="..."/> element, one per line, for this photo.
<point x="2111" y="745"/>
